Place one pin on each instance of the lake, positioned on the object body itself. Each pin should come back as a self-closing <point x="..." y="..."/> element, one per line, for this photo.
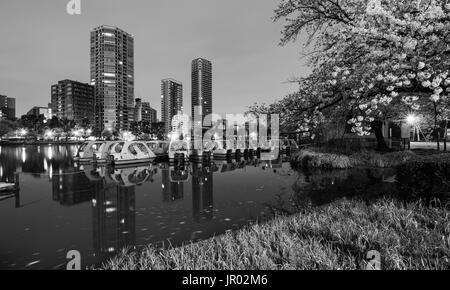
<point x="63" y="206"/>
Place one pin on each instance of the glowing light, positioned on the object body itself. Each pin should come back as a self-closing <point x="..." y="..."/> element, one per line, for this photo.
<point x="412" y="119"/>
<point x="49" y="134"/>
<point x="76" y="133"/>
<point x="111" y="210"/>
<point x="23" y="132"/>
<point x="128" y="136"/>
<point x="24" y="155"/>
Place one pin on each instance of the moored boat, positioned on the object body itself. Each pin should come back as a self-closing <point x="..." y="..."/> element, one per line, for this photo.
<point x="159" y="148"/>
<point x="101" y="155"/>
<point x="86" y="152"/>
<point x="130" y="152"/>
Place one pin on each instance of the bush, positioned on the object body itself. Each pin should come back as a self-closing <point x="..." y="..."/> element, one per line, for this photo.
<point x="309" y="159"/>
<point x="387" y="160"/>
<point x="427" y="178"/>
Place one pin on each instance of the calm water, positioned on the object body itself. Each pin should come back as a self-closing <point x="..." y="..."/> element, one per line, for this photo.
<point x="62" y="206"/>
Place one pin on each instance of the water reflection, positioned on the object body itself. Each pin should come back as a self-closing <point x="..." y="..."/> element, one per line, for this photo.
<point x="173" y="180"/>
<point x="63" y="206"/>
<point x="33" y="159"/>
<point x="202" y="190"/>
<point x="114" y="219"/>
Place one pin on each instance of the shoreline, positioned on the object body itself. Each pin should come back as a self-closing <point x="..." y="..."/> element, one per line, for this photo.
<point x="40" y="143"/>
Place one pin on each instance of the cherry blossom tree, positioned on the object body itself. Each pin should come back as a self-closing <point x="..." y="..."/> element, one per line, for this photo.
<point x="370" y="60"/>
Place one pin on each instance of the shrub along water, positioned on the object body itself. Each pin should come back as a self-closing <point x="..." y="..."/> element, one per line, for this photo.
<point x="310" y="159"/>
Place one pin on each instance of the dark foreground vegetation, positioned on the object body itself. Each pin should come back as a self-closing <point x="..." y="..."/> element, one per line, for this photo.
<point x="315" y="159"/>
<point x="336" y="236"/>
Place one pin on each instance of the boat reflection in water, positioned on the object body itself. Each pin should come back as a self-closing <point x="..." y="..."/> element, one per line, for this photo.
<point x="111" y="191"/>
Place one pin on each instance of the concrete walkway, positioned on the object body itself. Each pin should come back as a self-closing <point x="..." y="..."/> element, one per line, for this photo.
<point x="428" y="146"/>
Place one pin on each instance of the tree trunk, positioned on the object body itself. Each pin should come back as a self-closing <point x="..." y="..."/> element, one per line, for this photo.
<point x="445" y="136"/>
<point x="377" y="127"/>
<point x="436" y="127"/>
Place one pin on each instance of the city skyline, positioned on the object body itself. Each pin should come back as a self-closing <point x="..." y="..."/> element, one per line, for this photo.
<point x="243" y="66"/>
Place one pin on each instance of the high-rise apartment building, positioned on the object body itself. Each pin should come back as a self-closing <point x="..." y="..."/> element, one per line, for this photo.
<point x="201" y="87"/>
<point x="7" y="108"/>
<point x="112" y="74"/>
<point x="73" y="100"/>
<point x="171" y="101"/>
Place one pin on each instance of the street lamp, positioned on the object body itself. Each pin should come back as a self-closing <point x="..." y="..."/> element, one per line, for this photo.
<point x="411" y="119"/>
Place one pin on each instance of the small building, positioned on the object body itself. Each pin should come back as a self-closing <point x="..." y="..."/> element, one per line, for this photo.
<point x="38" y="111"/>
<point x="7" y="108"/>
<point x="73" y="100"/>
<point x="143" y="112"/>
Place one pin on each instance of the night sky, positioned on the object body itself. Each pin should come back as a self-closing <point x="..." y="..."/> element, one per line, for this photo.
<point x="41" y="44"/>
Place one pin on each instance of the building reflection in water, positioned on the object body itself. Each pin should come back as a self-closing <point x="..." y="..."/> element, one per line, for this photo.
<point x="202" y="192"/>
<point x="110" y="192"/>
<point x="173" y="179"/>
<point x="114" y="217"/>
<point x="35" y="160"/>
<point x="71" y="189"/>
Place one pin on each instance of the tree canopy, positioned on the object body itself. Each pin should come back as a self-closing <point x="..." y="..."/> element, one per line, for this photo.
<point x="370" y="60"/>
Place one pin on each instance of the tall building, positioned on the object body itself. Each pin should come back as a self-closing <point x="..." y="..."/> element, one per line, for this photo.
<point x="73" y="100"/>
<point x="112" y="74"/>
<point x="143" y="112"/>
<point x="201" y="87"/>
<point x="171" y="101"/>
<point x="7" y="108"/>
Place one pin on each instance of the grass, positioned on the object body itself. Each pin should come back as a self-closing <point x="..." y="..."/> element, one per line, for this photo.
<point x="336" y="236"/>
<point x="386" y="160"/>
<point x="312" y="159"/>
<point x="321" y="160"/>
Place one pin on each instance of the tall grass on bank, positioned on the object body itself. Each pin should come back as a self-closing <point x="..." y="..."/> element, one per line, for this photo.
<point x="318" y="160"/>
<point x="337" y="236"/>
<point x="311" y="159"/>
<point x="386" y="160"/>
